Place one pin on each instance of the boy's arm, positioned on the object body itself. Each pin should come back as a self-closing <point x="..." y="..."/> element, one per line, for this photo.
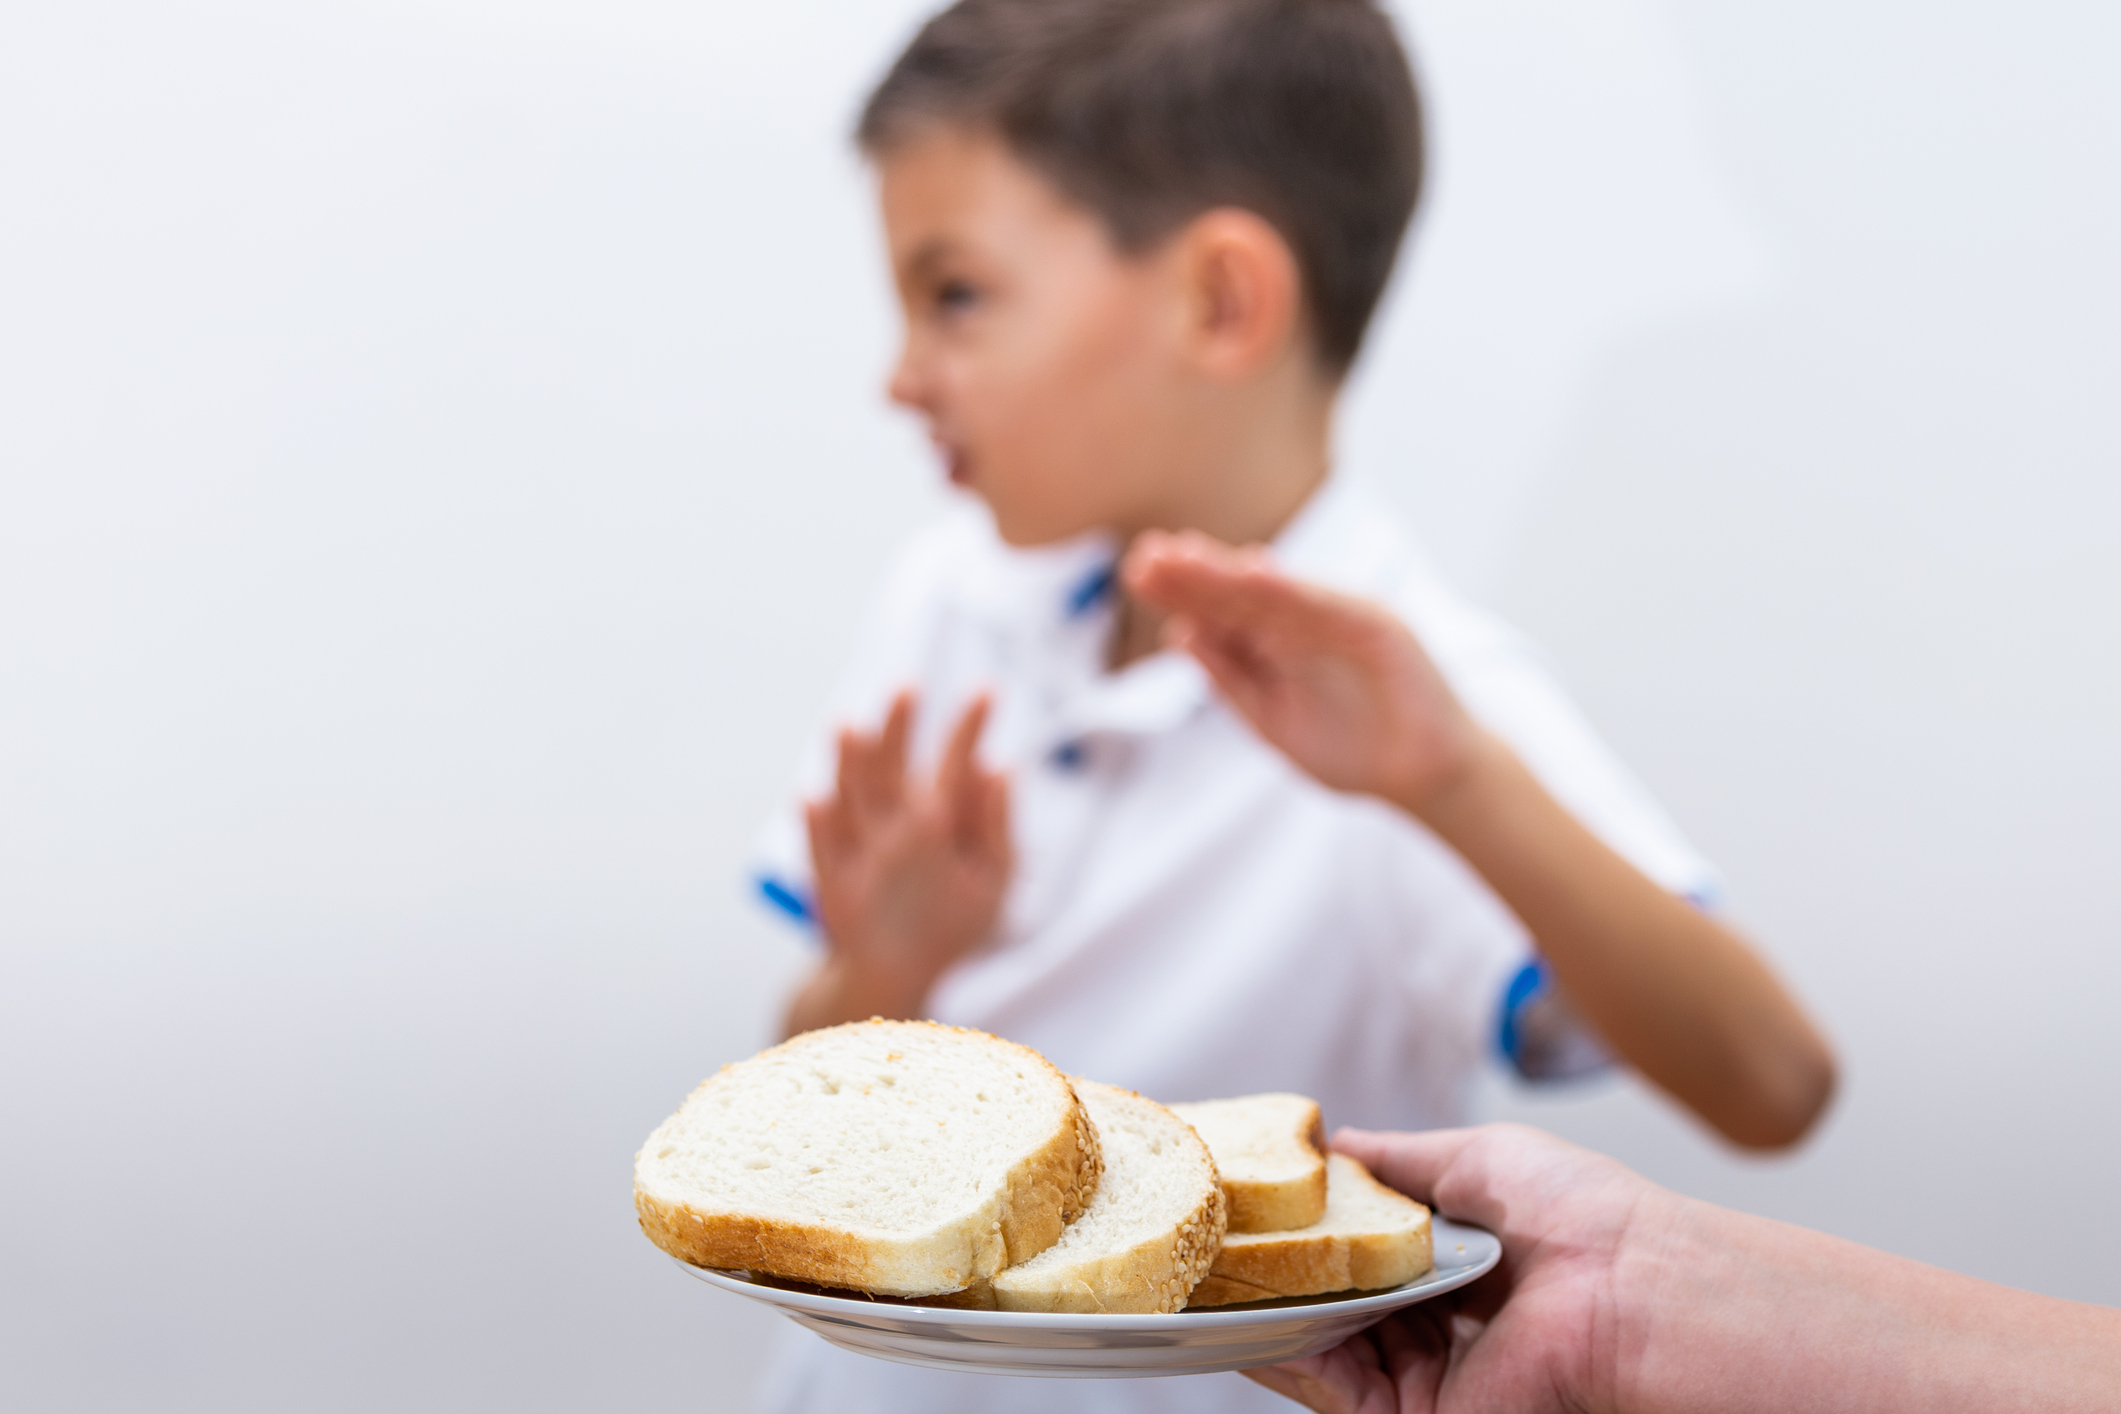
<point x="1342" y="687"/>
<point x="910" y="873"/>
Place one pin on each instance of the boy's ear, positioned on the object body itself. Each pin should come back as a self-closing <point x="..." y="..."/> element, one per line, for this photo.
<point x="1245" y="291"/>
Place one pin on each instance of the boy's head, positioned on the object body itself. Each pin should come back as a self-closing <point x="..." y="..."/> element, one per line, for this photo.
<point x="1126" y="230"/>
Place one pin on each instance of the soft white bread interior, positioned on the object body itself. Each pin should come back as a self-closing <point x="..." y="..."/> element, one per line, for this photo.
<point x="896" y="1157"/>
<point x="1148" y="1236"/>
<point x="1370" y="1237"/>
<point x="1270" y="1151"/>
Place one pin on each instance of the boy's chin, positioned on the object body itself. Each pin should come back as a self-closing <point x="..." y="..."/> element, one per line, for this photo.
<point x="1040" y="536"/>
<point x="1021" y="529"/>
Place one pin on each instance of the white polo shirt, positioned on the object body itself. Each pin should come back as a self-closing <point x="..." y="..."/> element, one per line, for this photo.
<point x="1191" y="916"/>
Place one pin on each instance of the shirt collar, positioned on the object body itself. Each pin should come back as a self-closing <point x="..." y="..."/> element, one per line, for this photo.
<point x="1323" y="542"/>
<point x="1091" y="588"/>
<point x="1039" y="584"/>
<point x="1067" y="588"/>
<point x="1337" y="539"/>
<point x="1079" y="575"/>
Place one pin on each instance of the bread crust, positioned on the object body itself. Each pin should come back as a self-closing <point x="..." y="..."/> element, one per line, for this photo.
<point x="1279" y="1207"/>
<point x="1050" y="1189"/>
<point x="1150" y="1280"/>
<point x="1222" y="1291"/>
<point x="1024" y="1217"/>
<point x="1152" y="1277"/>
<point x="1300" y="1264"/>
<point x="1275" y="1205"/>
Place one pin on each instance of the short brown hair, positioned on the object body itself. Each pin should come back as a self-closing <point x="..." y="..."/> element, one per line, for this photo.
<point x="1149" y="112"/>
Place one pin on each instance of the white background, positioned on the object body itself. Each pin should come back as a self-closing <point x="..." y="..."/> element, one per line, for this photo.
<point x="441" y="452"/>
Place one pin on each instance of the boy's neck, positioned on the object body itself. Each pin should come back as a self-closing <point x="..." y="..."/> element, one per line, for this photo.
<point x="1254" y="455"/>
<point x="1264" y="458"/>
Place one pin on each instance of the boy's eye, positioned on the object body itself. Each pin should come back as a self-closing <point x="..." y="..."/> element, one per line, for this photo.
<point x="955" y="296"/>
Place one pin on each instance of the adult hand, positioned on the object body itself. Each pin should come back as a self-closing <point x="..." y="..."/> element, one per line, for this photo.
<point x="1541" y="1332"/>
<point x="910" y="873"/>
<point x="1338" y="684"/>
<point x="1617" y="1295"/>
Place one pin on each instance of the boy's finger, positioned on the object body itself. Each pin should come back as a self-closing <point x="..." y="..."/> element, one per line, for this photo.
<point x="891" y="747"/>
<point x="873" y="768"/>
<point x="1225" y="588"/>
<point x="994" y="818"/>
<point x="824" y="821"/>
<point x="959" y="772"/>
<point x="846" y="764"/>
<point x="1185" y="557"/>
<point x="1235" y="647"/>
<point x="1236" y="673"/>
<point x="852" y="791"/>
<point x="1168" y="569"/>
<point x="1228" y="588"/>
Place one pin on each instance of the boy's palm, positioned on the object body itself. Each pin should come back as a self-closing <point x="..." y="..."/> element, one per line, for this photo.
<point x="1337" y="684"/>
<point x="910" y="873"/>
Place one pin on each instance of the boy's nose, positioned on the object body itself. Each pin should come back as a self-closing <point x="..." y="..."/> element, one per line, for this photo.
<point x="906" y="387"/>
<point x="916" y="380"/>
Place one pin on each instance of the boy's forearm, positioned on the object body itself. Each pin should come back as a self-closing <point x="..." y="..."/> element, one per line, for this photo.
<point x="1678" y="997"/>
<point x="1726" y="1311"/>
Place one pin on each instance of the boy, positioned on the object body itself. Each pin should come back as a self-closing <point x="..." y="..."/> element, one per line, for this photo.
<point x="1137" y="243"/>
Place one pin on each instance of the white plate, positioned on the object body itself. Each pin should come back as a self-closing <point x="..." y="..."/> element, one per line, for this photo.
<point x="1111" y="1347"/>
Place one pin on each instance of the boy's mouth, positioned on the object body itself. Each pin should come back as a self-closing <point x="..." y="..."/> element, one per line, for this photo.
<point x="955" y="464"/>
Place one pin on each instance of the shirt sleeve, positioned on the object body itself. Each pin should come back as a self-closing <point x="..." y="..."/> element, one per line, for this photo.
<point x="1511" y="688"/>
<point x="1540" y="1034"/>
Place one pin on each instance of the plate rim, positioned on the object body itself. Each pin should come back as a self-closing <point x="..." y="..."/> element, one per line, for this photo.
<point x="1440" y="1279"/>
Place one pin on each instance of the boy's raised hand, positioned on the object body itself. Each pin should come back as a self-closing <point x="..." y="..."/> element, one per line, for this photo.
<point x="910" y="872"/>
<point x="1337" y="684"/>
<point x="1343" y="689"/>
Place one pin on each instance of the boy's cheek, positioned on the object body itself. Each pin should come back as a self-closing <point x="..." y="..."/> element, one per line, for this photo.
<point x="1040" y="467"/>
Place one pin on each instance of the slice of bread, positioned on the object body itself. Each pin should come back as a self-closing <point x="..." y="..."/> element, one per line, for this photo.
<point x="896" y="1157"/>
<point x="1148" y="1236"/>
<point x="1270" y="1151"/>
<point x="1370" y="1237"/>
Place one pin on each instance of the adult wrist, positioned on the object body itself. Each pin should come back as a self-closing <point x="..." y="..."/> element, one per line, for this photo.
<point x="1661" y="1273"/>
<point x="1711" y="1304"/>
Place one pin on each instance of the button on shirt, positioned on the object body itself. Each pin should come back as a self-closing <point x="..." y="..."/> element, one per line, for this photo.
<point x="1191" y="916"/>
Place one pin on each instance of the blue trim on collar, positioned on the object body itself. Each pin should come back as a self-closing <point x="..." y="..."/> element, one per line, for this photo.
<point x="1092" y="589"/>
<point x="788" y="899"/>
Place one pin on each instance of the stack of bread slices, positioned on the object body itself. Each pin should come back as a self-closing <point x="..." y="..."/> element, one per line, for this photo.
<point x="1302" y="1222"/>
<point x="913" y="1160"/>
